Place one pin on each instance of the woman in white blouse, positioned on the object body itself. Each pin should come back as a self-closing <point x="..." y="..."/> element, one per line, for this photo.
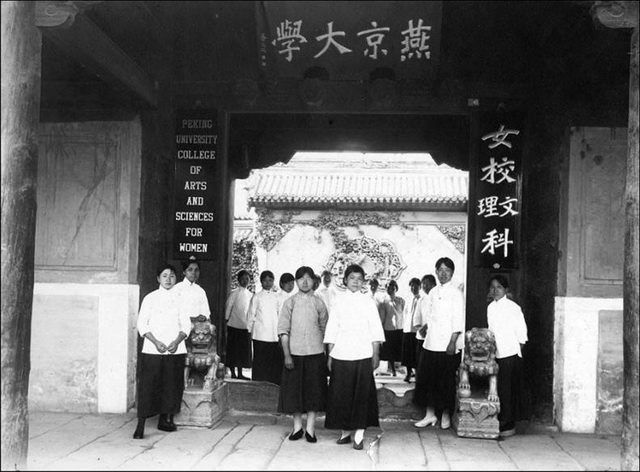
<point x="506" y="321"/>
<point x="164" y="326"/>
<point x="354" y="334"/>
<point x="436" y="379"/>
<point x="263" y="325"/>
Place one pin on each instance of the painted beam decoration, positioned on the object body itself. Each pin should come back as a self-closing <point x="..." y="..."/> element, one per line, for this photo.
<point x="498" y="189"/>
<point x="348" y="39"/>
<point x="196" y="149"/>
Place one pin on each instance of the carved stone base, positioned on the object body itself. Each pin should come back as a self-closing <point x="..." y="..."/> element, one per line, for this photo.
<point x="202" y="408"/>
<point x="475" y="417"/>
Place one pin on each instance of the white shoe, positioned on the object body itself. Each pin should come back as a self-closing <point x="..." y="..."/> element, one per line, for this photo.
<point x="445" y="422"/>
<point x="426" y="421"/>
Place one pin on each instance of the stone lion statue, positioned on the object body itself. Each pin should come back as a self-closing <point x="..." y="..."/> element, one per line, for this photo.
<point x="480" y="361"/>
<point x="202" y="354"/>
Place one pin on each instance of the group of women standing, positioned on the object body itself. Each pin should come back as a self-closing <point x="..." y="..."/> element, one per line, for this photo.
<point x="345" y="346"/>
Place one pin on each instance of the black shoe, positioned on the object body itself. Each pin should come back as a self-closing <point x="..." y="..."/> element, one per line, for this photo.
<point x="359" y="445"/>
<point x="166" y="426"/>
<point x="295" y="436"/>
<point x="310" y="438"/>
<point x="138" y="434"/>
<point x="507" y="429"/>
<point x="345" y="440"/>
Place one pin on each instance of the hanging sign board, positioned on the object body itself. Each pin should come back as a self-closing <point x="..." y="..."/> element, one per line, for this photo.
<point x="196" y="149"/>
<point x="497" y="206"/>
<point x="348" y="39"/>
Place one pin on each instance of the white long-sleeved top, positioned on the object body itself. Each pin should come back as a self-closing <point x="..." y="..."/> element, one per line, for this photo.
<point x="237" y="308"/>
<point x="445" y="316"/>
<point x="506" y="320"/>
<point x="193" y="298"/>
<point x="161" y="315"/>
<point x="353" y="326"/>
<point x="263" y="316"/>
<point x="411" y="317"/>
<point x="328" y="295"/>
<point x="421" y="315"/>
<point x="391" y="313"/>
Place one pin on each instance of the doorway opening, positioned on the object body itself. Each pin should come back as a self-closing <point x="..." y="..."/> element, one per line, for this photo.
<point x="395" y="214"/>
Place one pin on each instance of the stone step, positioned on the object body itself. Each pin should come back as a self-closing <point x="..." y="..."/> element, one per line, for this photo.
<point x="394" y="397"/>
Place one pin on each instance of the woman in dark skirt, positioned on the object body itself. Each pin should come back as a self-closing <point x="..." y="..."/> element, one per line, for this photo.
<point x="410" y="326"/>
<point x="391" y="314"/>
<point x="353" y="336"/>
<point x="301" y="325"/>
<point x="436" y="378"/>
<point x="506" y="321"/>
<point x="236" y="313"/>
<point x="164" y="327"/>
<point x="263" y="326"/>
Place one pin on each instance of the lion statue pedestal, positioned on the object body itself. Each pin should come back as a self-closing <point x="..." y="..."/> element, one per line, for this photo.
<point x="477" y="402"/>
<point x="205" y="397"/>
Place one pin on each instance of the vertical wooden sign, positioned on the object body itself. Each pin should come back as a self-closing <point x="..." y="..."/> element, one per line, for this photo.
<point x="196" y="149"/>
<point x="497" y="206"/>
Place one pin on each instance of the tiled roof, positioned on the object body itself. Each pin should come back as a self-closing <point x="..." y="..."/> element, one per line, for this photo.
<point x="419" y="186"/>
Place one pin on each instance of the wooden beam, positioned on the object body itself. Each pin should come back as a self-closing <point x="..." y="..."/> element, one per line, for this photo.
<point x="90" y="46"/>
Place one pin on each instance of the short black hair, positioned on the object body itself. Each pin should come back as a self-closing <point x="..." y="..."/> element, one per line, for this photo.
<point x="243" y="273"/>
<point x="354" y="268"/>
<point x="430" y="278"/>
<point x="305" y="270"/>
<point x="502" y="280"/>
<point x="164" y="267"/>
<point x="192" y="260"/>
<point x="265" y="274"/>
<point x="286" y="278"/>
<point x="414" y="281"/>
<point x="447" y="262"/>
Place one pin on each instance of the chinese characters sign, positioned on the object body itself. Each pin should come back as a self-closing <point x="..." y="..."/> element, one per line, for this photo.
<point x="196" y="146"/>
<point x="497" y="204"/>
<point x="348" y="39"/>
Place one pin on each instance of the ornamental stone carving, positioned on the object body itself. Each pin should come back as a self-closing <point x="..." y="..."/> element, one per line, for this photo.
<point x="379" y="259"/>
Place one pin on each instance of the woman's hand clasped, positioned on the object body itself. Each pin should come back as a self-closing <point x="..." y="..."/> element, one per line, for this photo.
<point x="160" y="346"/>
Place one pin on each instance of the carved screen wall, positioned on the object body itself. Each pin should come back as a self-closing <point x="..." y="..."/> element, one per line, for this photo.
<point x="595" y="246"/>
<point x="88" y="182"/>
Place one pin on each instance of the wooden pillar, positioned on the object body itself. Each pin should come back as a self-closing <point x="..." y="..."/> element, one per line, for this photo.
<point x="21" y="51"/>
<point x="625" y="15"/>
<point x="630" y="301"/>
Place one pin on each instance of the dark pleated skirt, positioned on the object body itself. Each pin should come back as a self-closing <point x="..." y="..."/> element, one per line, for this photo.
<point x="304" y="388"/>
<point x="515" y="396"/>
<point x="268" y="361"/>
<point x="391" y="349"/>
<point x="238" y="348"/>
<point x="353" y="399"/>
<point x="410" y="350"/>
<point x="436" y="381"/>
<point x="160" y="384"/>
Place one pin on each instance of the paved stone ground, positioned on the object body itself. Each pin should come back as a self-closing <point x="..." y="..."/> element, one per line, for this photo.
<point x="241" y="441"/>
